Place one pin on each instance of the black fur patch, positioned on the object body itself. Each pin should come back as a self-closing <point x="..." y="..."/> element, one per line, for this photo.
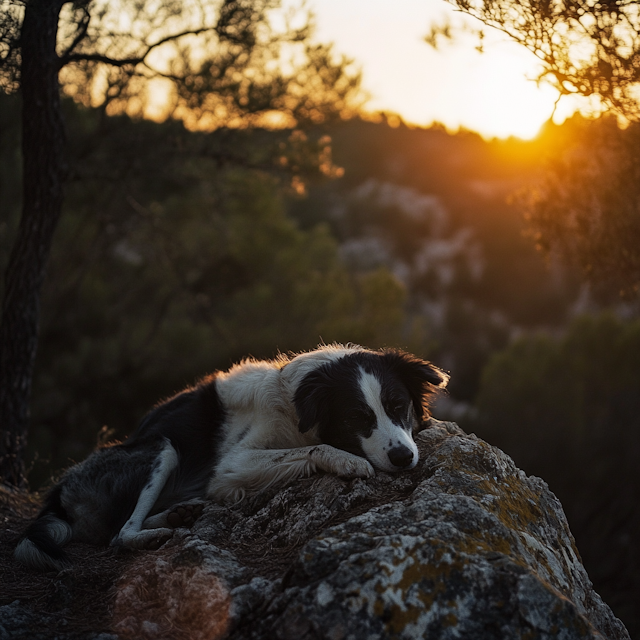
<point x="420" y="378"/>
<point x="114" y="476"/>
<point x="109" y="484"/>
<point x="191" y="421"/>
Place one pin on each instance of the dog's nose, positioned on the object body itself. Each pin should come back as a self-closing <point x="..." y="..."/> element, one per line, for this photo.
<point x="401" y="456"/>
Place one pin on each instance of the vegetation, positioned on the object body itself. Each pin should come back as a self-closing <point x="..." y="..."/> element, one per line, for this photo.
<point x="568" y="410"/>
<point x="587" y="205"/>
<point x="179" y="260"/>
<point x="225" y="64"/>
<point x="587" y="208"/>
<point x="587" y="48"/>
<point x="169" y="265"/>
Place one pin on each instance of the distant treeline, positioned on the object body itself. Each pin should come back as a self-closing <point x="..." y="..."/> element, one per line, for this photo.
<point x="179" y="253"/>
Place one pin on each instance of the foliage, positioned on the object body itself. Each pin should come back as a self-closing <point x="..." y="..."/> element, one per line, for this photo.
<point x="133" y="193"/>
<point x="568" y="409"/>
<point x="589" y="48"/>
<point x="11" y="15"/>
<point x="225" y="65"/>
<point x="210" y="63"/>
<point x="587" y="207"/>
<point x="432" y="208"/>
<point x="175" y="262"/>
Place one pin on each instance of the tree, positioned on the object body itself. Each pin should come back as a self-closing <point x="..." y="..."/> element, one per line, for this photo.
<point x="224" y="63"/>
<point x="585" y="47"/>
<point x="587" y="207"/>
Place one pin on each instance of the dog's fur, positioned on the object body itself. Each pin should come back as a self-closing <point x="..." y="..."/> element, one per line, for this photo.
<point x="341" y="409"/>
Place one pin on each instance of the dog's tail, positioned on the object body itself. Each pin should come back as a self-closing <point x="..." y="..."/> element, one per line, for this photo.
<point x="41" y="546"/>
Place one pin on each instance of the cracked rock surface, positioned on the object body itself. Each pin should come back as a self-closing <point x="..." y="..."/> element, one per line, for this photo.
<point x="463" y="546"/>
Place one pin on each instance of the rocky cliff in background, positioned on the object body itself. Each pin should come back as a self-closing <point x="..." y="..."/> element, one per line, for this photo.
<point x="464" y="546"/>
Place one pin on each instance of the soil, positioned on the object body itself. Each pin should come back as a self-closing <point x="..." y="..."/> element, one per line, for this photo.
<point x="77" y="599"/>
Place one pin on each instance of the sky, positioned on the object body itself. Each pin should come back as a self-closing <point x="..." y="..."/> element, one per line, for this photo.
<point x="491" y="93"/>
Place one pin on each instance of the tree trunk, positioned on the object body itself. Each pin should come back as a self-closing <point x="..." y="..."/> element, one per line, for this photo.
<point x="43" y="176"/>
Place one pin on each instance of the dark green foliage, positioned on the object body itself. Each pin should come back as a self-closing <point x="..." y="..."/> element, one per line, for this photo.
<point x="175" y="256"/>
<point x="568" y="410"/>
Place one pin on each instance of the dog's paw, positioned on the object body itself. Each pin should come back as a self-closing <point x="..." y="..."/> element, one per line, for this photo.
<point x="184" y="515"/>
<point x="356" y="468"/>
<point x="342" y="463"/>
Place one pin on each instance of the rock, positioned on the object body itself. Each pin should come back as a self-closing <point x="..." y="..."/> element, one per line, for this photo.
<point x="463" y="546"/>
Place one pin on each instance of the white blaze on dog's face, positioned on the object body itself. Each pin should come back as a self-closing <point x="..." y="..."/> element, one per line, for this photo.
<point x="390" y="446"/>
<point x="369" y="403"/>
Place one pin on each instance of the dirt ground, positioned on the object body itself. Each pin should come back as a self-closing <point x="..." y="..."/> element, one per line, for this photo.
<point x="79" y="597"/>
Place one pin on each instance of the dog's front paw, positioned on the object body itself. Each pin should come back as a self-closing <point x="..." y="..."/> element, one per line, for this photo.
<point x="342" y="463"/>
<point x="184" y="515"/>
<point x="356" y="468"/>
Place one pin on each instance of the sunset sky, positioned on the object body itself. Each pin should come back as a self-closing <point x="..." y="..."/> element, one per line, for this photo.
<point x="455" y="85"/>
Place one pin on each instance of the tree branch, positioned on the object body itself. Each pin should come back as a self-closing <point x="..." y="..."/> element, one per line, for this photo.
<point x="123" y="62"/>
<point x="80" y="34"/>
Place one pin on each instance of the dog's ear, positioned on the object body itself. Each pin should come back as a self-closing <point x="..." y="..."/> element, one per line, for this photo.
<point x="421" y="378"/>
<point x="311" y="400"/>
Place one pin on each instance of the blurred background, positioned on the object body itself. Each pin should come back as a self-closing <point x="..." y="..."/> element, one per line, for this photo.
<point x="430" y="198"/>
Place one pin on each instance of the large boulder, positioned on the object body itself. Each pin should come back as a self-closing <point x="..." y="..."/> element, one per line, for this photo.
<point x="464" y="546"/>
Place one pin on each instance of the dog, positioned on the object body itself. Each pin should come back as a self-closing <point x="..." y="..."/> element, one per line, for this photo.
<point x="345" y="410"/>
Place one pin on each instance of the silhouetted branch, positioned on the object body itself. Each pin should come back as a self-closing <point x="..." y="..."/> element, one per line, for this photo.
<point x="135" y="60"/>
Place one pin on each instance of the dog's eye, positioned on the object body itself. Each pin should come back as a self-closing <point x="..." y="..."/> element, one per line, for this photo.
<point x="358" y="417"/>
<point x="397" y="407"/>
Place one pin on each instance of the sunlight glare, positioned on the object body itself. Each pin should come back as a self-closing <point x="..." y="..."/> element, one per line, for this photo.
<point x="490" y="92"/>
<point x="500" y="97"/>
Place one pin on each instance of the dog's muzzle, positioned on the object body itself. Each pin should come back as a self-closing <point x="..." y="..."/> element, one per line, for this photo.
<point x="400" y="457"/>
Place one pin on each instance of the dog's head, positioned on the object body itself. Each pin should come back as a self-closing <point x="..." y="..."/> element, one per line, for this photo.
<point x="369" y="403"/>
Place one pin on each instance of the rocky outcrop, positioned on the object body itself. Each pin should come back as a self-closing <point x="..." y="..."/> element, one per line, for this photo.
<point x="464" y="546"/>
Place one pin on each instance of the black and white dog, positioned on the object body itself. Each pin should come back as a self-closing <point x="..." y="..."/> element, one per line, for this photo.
<point x="342" y="409"/>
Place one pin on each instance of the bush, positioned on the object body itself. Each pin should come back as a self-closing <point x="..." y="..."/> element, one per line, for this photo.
<point x="568" y="410"/>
